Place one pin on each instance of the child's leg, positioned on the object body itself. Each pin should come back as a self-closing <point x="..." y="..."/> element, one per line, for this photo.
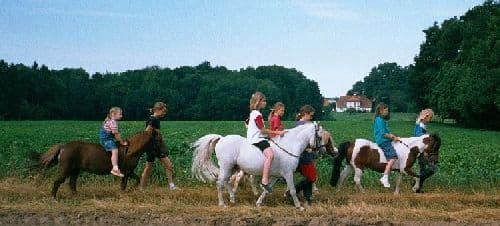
<point x="114" y="161"/>
<point x="167" y="164"/>
<point x="387" y="170"/>
<point x="146" y="173"/>
<point x="308" y="192"/>
<point x="268" y="153"/>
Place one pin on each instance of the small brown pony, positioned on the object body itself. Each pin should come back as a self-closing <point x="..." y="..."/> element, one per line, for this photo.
<point x="362" y="154"/>
<point x="77" y="156"/>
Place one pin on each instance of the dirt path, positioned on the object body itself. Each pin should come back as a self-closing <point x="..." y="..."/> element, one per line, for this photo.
<point x="103" y="204"/>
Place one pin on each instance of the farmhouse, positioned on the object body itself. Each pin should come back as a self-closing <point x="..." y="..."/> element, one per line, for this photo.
<point x="356" y="103"/>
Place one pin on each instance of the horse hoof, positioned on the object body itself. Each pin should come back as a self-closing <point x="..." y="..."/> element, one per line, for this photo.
<point x="300" y="208"/>
<point x="232" y="201"/>
<point x="223" y="206"/>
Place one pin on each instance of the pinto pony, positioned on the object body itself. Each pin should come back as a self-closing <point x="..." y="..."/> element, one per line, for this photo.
<point x="362" y="154"/>
<point x="235" y="150"/>
<point x="77" y="156"/>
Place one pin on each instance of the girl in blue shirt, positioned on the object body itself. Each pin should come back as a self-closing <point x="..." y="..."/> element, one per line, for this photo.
<point x="383" y="137"/>
<point x="427" y="169"/>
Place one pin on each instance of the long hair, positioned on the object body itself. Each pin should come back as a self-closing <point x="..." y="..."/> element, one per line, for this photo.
<point x="255" y="100"/>
<point x="276" y="107"/>
<point x="378" y="110"/>
<point x="306" y="109"/>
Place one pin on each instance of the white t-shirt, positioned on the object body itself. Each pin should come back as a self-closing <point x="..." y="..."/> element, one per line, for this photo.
<point x="255" y="124"/>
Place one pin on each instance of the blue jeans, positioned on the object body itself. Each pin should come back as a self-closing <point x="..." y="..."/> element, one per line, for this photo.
<point x="107" y="140"/>
<point x="389" y="151"/>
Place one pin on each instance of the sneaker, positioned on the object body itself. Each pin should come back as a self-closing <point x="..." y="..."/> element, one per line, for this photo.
<point x="117" y="173"/>
<point x="385" y="181"/>
<point x="266" y="187"/>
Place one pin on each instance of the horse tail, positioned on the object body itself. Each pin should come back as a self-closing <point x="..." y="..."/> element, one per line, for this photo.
<point x="337" y="162"/>
<point x="203" y="168"/>
<point x="49" y="158"/>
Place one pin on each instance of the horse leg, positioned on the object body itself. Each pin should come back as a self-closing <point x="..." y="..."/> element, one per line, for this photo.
<point x="293" y="192"/>
<point x="251" y="181"/>
<point x="357" y="178"/>
<point x="222" y="182"/>
<point x="235" y="179"/>
<point x="272" y="181"/>
<point x="231" y="191"/>
<point x="58" y="182"/>
<point x="347" y="170"/>
<point x="123" y="184"/>
<point x="409" y="172"/>
<point x="398" y="182"/>
<point x="72" y="182"/>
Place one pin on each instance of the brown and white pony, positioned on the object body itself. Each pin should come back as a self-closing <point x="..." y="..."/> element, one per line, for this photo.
<point x="362" y="154"/>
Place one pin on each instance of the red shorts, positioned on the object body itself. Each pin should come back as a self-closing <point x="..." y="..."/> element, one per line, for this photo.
<point x="309" y="171"/>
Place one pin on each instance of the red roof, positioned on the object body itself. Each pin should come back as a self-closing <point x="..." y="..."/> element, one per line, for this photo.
<point x="364" y="102"/>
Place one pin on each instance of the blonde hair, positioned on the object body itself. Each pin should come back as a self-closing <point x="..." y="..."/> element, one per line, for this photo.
<point x="255" y="100"/>
<point x="306" y="109"/>
<point x="111" y="111"/>
<point x="378" y="110"/>
<point x="423" y="113"/>
<point x="158" y="106"/>
<point x="276" y="107"/>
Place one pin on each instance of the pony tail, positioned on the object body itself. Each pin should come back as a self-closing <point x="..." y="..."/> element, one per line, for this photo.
<point x="337" y="163"/>
<point x="298" y="116"/>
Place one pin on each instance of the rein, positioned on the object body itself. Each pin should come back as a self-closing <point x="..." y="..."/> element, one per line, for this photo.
<point x="283" y="149"/>
<point x="404" y="144"/>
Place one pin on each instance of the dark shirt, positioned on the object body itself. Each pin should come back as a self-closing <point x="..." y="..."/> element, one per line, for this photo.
<point x="306" y="157"/>
<point x="153" y="122"/>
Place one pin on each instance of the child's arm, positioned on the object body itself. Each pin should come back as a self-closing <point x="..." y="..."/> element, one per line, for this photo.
<point x="119" y="138"/>
<point x="276" y="132"/>
<point x="391" y="137"/>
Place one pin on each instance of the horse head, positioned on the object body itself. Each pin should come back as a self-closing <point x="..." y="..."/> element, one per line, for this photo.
<point x="150" y="139"/>
<point x="431" y="150"/>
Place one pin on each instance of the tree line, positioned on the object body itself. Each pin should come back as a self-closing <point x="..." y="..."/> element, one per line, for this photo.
<point x="201" y="92"/>
<point x="456" y="72"/>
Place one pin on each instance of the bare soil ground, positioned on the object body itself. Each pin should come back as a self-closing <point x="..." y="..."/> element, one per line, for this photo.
<point x="98" y="203"/>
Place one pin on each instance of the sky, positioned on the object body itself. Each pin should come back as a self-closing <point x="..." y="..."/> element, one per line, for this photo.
<point x="335" y="43"/>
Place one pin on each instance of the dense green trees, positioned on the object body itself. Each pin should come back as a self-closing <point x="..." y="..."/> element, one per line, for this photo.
<point x="202" y="92"/>
<point x="388" y="82"/>
<point x="456" y="71"/>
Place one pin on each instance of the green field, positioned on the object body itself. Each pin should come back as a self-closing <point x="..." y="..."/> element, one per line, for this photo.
<point x="469" y="160"/>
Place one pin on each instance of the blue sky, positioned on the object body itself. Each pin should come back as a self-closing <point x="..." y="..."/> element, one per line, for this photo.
<point x="335" y="43"/>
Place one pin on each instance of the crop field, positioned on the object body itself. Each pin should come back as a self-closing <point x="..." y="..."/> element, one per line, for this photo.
<point x="464" y="190"/>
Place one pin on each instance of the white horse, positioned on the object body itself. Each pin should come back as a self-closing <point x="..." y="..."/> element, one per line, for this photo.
<point x="362" y="154"/>
<point x="235" y="150"/>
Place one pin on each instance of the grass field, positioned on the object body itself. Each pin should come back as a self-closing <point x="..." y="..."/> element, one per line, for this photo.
<point x="464" y="190"/>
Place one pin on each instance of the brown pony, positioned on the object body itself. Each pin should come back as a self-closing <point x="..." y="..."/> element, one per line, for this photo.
<point x="362" y="154"/>
<point x="77" y="156"/>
